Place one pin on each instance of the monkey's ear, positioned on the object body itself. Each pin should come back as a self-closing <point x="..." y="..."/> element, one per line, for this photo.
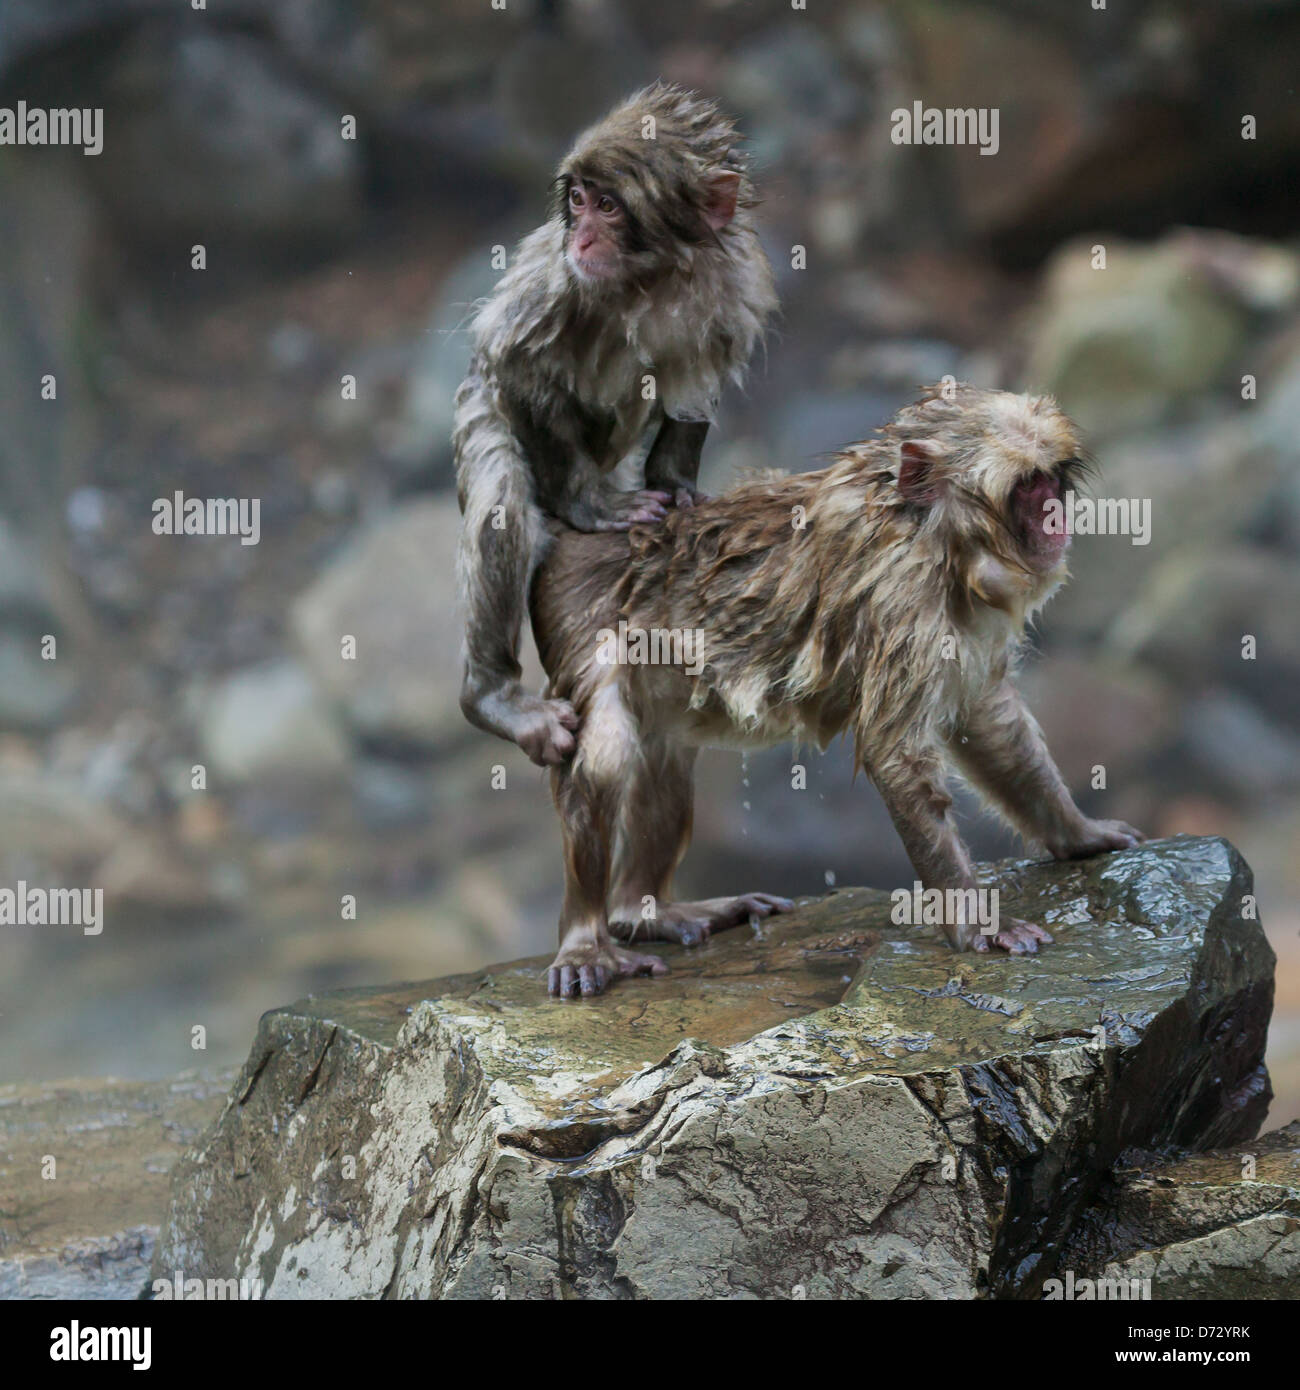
<point x="721" y="192"/>
<point x="918" y="472"/>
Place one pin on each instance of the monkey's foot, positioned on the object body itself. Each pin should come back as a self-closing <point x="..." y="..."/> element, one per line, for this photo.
<point x="544" y="729"/>
<point x="587" y="966"/>
<point x="691" y="923"/>
<point x="1013" y="935"/>
<point x="1095" y="837"/>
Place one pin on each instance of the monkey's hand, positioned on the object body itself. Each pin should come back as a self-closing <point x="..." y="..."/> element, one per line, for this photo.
<point x="545" y="729"/>
<point x="1091" y="837"/>
<point x="687" y="495"/>
<point x="613" y="511"/>
<point x="1018" y="937"/>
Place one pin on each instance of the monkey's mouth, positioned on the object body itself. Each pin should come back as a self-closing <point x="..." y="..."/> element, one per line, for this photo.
<point x="591" y="269"/>
<point x="1038" y="505"/>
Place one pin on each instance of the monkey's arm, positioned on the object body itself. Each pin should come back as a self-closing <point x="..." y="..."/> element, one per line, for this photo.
<point x="912" y="785"/>
<point x="572" y="488"/>
<point x="673" y="464"/>
<point x="502" y="540"/>
<point x="593" y="505"/>
<point x="1001" y="748"/>
<point x="911" y="782"/>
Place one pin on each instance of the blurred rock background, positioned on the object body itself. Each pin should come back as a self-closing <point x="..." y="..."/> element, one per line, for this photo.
<point x="1120" y="128"/>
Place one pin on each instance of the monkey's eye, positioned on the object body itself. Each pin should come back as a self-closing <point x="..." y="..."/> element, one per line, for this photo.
<point x="607" y="206"/>
<point x="576" y="196"/>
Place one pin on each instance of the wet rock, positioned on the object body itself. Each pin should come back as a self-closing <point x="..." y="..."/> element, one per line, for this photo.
<point x="89" y="1230"/>
<point x="833" y="1106"/>
<point x="1222" y="1225"/>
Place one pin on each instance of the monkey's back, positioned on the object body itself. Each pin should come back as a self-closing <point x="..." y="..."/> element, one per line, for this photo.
<point x="703" y="585"/>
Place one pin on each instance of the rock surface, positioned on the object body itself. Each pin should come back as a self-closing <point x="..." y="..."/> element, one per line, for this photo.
<point x="86" y="1227"/>
<point x="831" y="1106"/>
<point x="1215" y="1225"/>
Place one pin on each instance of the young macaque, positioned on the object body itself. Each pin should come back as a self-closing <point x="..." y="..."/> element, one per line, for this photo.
<point x="624" y="314"/>
<point x="886" y="595"/>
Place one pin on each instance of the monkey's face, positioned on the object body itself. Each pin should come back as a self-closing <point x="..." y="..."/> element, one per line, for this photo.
<point x="992" y="470"/>
<point x="1034" y="514"/>
<point x="638" y="207"/>
<point x="1026" y="460"/>
<point x="595" y="243"/>
<point x="619" y="233"/>
<point x="1029" y="460"/>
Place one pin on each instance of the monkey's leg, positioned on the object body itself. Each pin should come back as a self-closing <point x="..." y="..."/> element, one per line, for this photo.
<point x="912" y="784"/>
<point x="653" y="830"/>
<point x="673" y="464"/>
<point x="502" y="539"/>
<point x="587" y="795"/>
<point x="1002" y="749"/>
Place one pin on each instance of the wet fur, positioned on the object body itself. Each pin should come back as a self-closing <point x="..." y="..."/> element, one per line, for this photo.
<point x="835" y="627"/>
<point x="838" y="626"/>
<point x="554" y="401"/>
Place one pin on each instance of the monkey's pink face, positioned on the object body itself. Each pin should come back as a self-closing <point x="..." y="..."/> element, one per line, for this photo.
<point x="1038" y="512"/>
<point x="594" y="247"/>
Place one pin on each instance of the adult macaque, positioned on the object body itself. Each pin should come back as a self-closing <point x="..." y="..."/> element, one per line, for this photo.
<point x="626" y="312"/>
<point x="886" y="595"/>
